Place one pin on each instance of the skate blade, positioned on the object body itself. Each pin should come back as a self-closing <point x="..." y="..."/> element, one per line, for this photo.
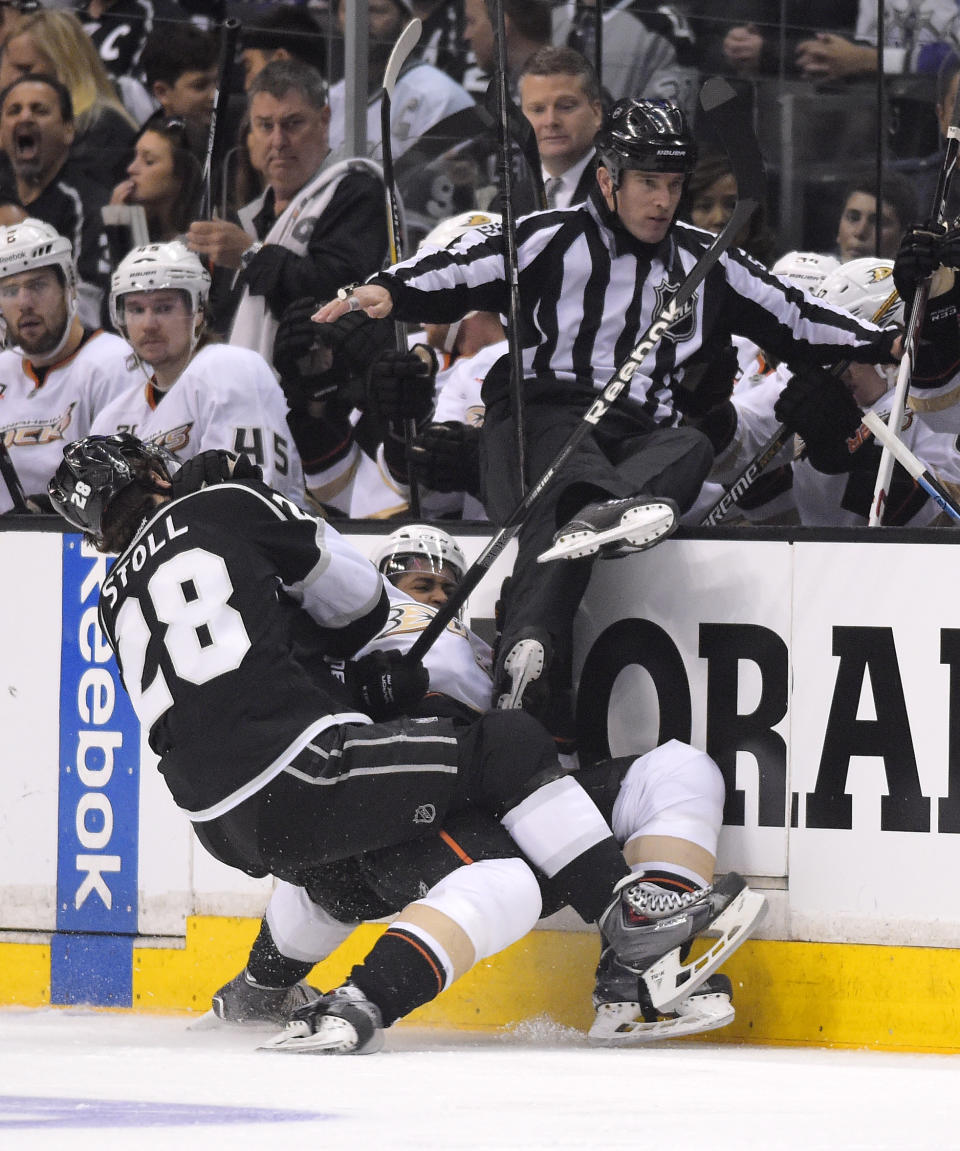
<point x="669" y="980"/>
<point x="336" y="1037"/>
<point x="639" y="528"/>
<point x="622" y="1024"/>
<point x="208" y="1021"/>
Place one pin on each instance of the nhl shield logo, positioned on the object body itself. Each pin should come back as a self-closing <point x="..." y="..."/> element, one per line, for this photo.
<point x="425" y="813"/>
<point x="682" y="324"/>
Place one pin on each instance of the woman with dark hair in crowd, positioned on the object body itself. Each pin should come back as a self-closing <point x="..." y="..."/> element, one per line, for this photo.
<point x="708" y="203"/>
<point x="164" y="178"/>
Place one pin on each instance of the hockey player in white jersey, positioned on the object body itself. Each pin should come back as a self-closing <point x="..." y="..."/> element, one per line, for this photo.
<point x="55" y="375"/>
<point x="193" y="395"/>
<point x="666" y="808"/>
<point x="836" y="471"/>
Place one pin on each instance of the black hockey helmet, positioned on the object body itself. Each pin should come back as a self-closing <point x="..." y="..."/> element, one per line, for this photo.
<point x="94" y="471"/>
<point x="646" y="136"/>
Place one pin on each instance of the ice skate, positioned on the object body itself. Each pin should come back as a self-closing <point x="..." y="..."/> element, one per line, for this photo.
<point x="343" y="1022"/>
<point x="244" y="1001"/>
<point x="626" y="1016"/>
<point x="523" y="666"/>
<point x="647" y="926"/>
<point x="614" y="528"/>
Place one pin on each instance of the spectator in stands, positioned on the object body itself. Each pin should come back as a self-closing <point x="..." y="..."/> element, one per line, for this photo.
<point x="163" y="177"/>
<point x="319" y="224"/>
<point x="56" y="373"/>
<point x="857" y="227"/>
<point x="709" y="200"/>
<point x="54" y="43"/>
<point x="282" y="33"/>
<point x="560" y="96"/>
<point x="423" y="97"/>
<point x="527" y="27"/>
<point x="640" y="52"/>
<point x="119" y="30"/>
<point x="180" y="65"/>
<point x="36" y="132"/>
<point x="442" y="42"/>
<point x="925" y="181"/>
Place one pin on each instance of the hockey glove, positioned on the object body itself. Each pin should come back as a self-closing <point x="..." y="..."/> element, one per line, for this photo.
<point x="386" y="685"/>
<point x="212" y="467"/>
<point x="707" y="381"/>
<point x="446" y="457"/>
<point x="818" y="408"/>
<point x="922" y="251"/>
<point x="401" y="385"/>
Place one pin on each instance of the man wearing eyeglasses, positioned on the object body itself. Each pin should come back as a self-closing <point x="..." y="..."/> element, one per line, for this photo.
<point x="319" y="222"/>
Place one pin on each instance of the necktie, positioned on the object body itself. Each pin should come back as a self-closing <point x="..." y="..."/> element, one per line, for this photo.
<point x="552" y="186"/>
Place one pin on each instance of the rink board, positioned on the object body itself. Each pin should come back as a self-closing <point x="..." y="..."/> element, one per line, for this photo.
<point x="819" y="673"/>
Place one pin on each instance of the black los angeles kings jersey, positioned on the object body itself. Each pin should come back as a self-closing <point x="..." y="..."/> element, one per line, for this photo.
<point x="199" y="610"/>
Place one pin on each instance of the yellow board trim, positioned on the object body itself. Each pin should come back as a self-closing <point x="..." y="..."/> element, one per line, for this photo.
<point x="815" y="994"/>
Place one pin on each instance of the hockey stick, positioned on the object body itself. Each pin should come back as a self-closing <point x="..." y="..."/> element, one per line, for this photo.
<point x="912" y="337"/>
<point x="511" y="259"/>
<point x="8" y="473"/>
<point x="230" y="30"/>
<point x="405" y="44"/>
<point x="752" y="472"/>
<point x="916" y="468"/>
<point x="717" y="100"/>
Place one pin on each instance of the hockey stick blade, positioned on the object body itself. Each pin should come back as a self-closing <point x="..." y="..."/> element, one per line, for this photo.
<point x="725" y="115"/>
<point x="406" y="42"/>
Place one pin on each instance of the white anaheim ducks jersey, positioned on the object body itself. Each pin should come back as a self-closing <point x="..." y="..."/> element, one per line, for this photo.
<point x="226" y="397"/>
<point x="459" y="662"/>
<point x="43" y="409"/>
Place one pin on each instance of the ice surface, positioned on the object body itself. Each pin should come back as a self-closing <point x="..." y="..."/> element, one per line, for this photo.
<point x="78" y="1079"/>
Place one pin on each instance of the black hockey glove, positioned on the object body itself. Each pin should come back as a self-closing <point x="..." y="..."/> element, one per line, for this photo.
<point x="212" y="467"/>
<point x="446" y="457"/>
<point x="324" y="361"/>
<point x="817" y="406"/>
<point x="401" y="385"/>
<point x="923" y="250"/>
<point x="386" y="685"/>
<point x="707" y="382"/>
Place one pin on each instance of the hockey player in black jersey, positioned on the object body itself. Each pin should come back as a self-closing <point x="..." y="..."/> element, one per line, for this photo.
<point x="281" y="770"/>
<point x="591" y="281"/>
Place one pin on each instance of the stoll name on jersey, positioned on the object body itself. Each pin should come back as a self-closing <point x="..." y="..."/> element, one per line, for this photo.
<point x="148" y="546"/>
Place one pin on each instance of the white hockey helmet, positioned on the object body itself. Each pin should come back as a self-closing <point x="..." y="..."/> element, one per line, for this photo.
<point x="805" y="269"/>
<point x="419" y="547"/>
<point x="864" y="288"/>
<point x="155" y="267"/>
<point x="32" y="244"/>
<point x="448" y="231"/>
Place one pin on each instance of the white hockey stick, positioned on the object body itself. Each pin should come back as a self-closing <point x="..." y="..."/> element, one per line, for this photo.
<point x="912" y="336"/>
<point x="914" y="466"/>
<point x="406" y="42"/>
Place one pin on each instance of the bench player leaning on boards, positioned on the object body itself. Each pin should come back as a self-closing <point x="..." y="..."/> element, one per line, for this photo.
<point x="279" y="770"/>
<point x="55" y="374"/>
<point x="665" y="808"/>
<point x="193" y="394"/>
<point x="592" y="279"/>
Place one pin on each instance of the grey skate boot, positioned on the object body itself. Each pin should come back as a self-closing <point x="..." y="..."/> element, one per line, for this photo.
<point x="343" y="1022"/>
<point x="647" y="925"/>
<point x="242" y="1000"/>
<point x="625" y="1014"/>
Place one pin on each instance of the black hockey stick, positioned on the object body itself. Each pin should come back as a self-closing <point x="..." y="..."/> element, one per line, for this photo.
<point x="405" y="44"/>
<point x="8" y="473"/>
<point x="216" y="137"/>
<point x="911" y="338"/>
<point x="719" y="101"/>
<point x="753" y="471"/>
<point x="510" y="258"/>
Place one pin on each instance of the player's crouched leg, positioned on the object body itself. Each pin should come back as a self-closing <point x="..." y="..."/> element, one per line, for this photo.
<point x="510" y="767"/>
